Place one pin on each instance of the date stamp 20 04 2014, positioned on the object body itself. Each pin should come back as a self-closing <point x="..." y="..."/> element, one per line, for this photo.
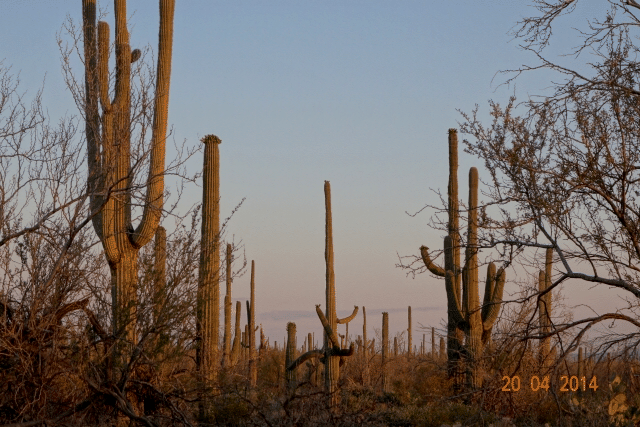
<point x="567" y="383"/>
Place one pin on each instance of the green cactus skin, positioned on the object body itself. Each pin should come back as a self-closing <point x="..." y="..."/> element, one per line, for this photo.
<point x="290" y="356"/>
<point x="409" y="334"/>
<point x="385" y="351"/>
<point x="208" y="299"/>
<point x="331" y="354"/>
<point x="544" y="310"/>
<point x="465" y="315"/>
<point x="251" y="312"/>
<point x="226" y="346"/>
<point x="109" y="152"/>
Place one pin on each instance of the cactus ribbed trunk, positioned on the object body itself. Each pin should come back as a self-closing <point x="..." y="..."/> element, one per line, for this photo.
<point x="409" y="334"/>
<point x="226" y="346"/>
<point x="290" y="356"/>
<point x="251" y="312"/>
<point x="385" y="351"/>
<point x="208" y="299"/>
<point x="332" y="363"/>
<point x="109" y="151"/>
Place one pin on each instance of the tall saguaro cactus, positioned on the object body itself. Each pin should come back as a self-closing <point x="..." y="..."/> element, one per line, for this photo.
<point x="331" y="353"/>
<point x="544" y="309"/>
<point x="290" y="355"/>
<point x="109" y="150"/>
<point x="465" y="314"/>
<point x="208" y="299"/>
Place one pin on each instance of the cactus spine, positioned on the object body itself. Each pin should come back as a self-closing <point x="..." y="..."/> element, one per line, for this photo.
<point x="331" y="350"/>
<point x="208" y="299"/>
<point x="464" y="315"/>
<point x="109" y="151"/>
<point x="226" y="346"/>
<point x="385" y="351"/>
<point x="409" y="335"/>
<point x="544" y="309"/>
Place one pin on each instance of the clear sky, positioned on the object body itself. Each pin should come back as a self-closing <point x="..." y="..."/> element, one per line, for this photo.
<point x="360" y="93"/>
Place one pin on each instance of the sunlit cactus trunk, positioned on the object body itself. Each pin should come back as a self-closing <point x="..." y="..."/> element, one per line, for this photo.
<point x="226" y="346"/>
<point x="409" y="334"/>
<point x="208" y="299"/>
<point x="290" y="356"/>
<point x="544" y="310"/>
<point x="385" y="352"/>
<point x="331" y="353"/>
<point x="109" y="151"/>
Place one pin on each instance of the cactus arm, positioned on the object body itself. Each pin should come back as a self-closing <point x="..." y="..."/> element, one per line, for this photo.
<point x="327" y="328"/>
<point x="155" y="190"/>
<point x="492" y="306"/>
<point x="435" y="269"/>
<point x="248" y="312"/>
<point x="490" y="284"/>
<point x="103" y="64"/>
<point x="312" y="354"/>
<point x="350" y="318"/>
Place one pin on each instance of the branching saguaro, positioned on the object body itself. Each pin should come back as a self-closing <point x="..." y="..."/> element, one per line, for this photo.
<point x="464" y="313"/>
<point x="208" y="299"/>
<point x="331" y="354"/>
<point x="108" y="137"/>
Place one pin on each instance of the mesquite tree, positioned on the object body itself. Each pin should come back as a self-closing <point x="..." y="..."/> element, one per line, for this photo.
<point x="465" y="313"/>
<point x="110" y="165"/>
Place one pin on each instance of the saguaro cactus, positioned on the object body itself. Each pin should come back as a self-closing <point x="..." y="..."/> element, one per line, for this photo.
<point x="226" y="346"/>
<point x="544" y="310"/>
<point x="290" y="356"/>
<point x="331" y="353"/>
<point x="236" y="349"/>
<point x="208" y="299"/>
<point x="433" y="343"/>
<point x="465" y="314"/>
<point x="251" y="313"/>
<point x="443" y="349"/>
<point x="109" y="151"/>
<point x="409" y="335"/>
<point x="385" y="351"/>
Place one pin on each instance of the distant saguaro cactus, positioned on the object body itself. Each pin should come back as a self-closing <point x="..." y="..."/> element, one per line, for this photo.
<point x="385" y="351"/>
<point x="290" y="356"/>
<point x="331" y="353"/>
<point x="110" y="162"/>
<point x="365" y="348"/>
<point x="208" y="299"/>
<point x="226" y="342"/>
<point x="464" y="313"/>
<point x="251" y="313"/>
<point x="236" y="348"/>
<point x="544" y="310"/>
<point x="443" y="349"/>
<point x="409" y="334"/>
<point x="433" y="343"/>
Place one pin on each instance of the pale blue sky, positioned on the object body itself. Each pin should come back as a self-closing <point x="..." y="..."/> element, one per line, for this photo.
<point x="360" y="93"/>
